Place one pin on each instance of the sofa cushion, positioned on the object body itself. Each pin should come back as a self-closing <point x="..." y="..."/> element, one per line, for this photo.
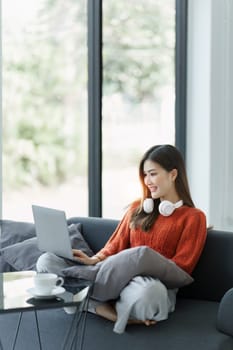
<point x="191" y="326"/>
<point x="114" y="273"/>
<point x="23" y="255"/>
<point x="213" y="274"/>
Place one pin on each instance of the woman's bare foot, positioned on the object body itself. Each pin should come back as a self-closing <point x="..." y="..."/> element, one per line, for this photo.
<point x="146" y="322"/>
<point x="108" y="311"/>
<point x="149" y="322"/>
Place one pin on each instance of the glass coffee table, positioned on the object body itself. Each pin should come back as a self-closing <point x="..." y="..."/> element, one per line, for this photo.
<point x="16" y="297"/>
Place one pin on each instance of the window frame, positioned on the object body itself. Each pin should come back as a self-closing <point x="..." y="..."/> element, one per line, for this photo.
<point x="95" y="95"/>
<point x="181" y="75"/>
<point x="94" y="108"/>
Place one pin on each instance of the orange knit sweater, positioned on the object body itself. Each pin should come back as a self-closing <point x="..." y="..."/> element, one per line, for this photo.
<point x="179" y="237"/>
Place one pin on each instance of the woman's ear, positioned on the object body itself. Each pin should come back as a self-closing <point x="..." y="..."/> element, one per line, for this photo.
<point x="174" y="173"/>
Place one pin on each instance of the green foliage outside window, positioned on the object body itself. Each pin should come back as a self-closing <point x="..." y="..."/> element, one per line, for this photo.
<point x="45" y="80"/>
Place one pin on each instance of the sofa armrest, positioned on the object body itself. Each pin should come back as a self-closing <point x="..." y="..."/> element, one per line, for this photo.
<point x="225" y="313"/>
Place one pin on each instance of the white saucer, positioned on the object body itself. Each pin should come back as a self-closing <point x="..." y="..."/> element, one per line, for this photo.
<point x="55" y="292"/>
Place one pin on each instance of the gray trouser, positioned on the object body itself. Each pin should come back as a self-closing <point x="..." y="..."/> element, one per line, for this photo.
<point x="144" y="297"/>
<point x="49" y="262"/>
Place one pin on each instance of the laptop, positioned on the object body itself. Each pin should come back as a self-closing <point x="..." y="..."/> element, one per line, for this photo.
<point x="52" y="231"/>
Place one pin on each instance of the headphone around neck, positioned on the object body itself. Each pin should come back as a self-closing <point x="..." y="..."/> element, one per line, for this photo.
<point x="166" y="208"/>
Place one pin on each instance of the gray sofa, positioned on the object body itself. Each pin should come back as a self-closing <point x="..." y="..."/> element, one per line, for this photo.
<point x="203" y="319"/>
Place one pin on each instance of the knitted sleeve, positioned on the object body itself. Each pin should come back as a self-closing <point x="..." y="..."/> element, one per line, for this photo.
<point x="192" y="242"/>
<point x="120" y="238"/>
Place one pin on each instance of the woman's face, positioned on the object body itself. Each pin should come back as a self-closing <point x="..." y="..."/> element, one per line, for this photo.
<point x="159" y="181"/>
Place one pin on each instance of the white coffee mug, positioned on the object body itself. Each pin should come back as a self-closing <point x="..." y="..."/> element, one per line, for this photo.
<point x="44" y="283"/>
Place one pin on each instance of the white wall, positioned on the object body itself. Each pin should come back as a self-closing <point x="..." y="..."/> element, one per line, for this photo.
<point x="209" y="108"/>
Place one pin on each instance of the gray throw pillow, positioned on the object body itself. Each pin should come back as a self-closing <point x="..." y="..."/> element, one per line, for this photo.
<point x="15" y="231"/>
<point x="23" y="255"/>
<point x="4" y="266"/>
<point x="77" y="239"/>
<point x="117" y="270"/>
<point x="114" y="273"/>
<point x="225" y="314"/>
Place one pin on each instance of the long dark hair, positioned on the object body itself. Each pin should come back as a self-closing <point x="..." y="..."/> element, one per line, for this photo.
<point x="169" y="158"/>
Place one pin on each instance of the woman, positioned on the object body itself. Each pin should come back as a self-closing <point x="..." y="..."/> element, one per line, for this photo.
<point x="166" y="220"/>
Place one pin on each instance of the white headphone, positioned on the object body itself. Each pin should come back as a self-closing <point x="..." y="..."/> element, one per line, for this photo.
<point x="148" y="205"/>
<point x="166" y="208"/>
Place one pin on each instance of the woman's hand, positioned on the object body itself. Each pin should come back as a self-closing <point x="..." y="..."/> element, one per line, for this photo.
<point x="84" y="258"/>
